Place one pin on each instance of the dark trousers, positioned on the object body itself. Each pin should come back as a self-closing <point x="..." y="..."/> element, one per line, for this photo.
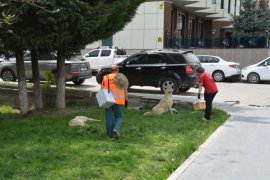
<point x="209" y="99"/>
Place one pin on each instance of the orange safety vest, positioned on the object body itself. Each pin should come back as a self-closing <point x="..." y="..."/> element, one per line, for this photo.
<point x="118" y="94"/>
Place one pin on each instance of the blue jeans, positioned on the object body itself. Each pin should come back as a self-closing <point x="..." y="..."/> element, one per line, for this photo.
<point x="113" y="118"/>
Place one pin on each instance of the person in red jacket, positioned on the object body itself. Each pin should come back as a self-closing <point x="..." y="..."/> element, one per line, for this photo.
<point x="114" y="113"/>
<point x="210" y="90"/>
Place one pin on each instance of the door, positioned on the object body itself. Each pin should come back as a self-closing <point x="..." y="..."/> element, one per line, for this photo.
<point x="209" y="63"/>
<point x="264" y="70"/>
<point x="92" y="57"/>
<point x="106" y="58"/>
<point x="133" y="69"/>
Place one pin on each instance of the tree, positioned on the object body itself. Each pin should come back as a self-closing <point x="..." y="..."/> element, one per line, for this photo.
<point x="253" y="19"/>
<point x="77" y="23"/>
<point x="66" y="27"/>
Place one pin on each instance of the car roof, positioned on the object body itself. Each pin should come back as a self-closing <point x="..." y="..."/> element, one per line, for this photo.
<point x="167" y="51"/>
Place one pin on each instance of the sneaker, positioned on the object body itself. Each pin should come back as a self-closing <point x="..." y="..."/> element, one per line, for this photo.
<point x="204" y="119"/>
<point x="115" y="134"/>
<point x="110" y="138"/>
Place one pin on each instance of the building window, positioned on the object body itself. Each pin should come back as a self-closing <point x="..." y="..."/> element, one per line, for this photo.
<point x="222" y="4"/>
<point x="229" y="6"/>
<point x="214" y="2"/>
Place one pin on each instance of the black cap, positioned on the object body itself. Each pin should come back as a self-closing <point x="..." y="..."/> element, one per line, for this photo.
<point x="200" y="70"/>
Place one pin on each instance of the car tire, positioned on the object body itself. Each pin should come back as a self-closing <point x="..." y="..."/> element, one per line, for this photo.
<point x="168" y="83"/>
<point x="78" y="82"/>
<point x="8" y="75"/>
<point x="184" y="88"/>
<point x="253" y="78"/>
<point x="218" y="76"/>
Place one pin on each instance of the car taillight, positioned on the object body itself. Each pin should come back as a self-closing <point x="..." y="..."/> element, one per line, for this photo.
<point x="233" y="65"/>
<point x="75" y="73"/>
<point x="188" y="69"/>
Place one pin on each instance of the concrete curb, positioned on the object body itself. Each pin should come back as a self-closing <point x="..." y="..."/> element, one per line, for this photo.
<point x="181" y="169"/>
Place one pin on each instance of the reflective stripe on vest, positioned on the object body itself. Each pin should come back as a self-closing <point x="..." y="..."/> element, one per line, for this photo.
<point x="118" y="94"/>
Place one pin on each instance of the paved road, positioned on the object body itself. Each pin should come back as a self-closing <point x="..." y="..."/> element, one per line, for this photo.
<point x="246" y="94"/>
<point x="238" y="150"/>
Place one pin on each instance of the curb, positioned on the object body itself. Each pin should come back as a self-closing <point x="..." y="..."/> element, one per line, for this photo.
<point x="181" y="169"/>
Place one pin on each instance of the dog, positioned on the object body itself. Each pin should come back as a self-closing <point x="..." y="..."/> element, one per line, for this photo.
<point x="165" y="105"/>
<point x="80" y="121"/>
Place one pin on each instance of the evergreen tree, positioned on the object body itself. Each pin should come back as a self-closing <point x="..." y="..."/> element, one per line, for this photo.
<point x="253" y="19"/>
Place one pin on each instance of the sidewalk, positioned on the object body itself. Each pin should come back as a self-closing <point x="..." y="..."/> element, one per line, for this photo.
<point x="238" y="150"/>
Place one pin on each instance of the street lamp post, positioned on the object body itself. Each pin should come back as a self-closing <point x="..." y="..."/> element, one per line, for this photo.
<point x="213" y="38"/>
<point x="267" y="40"/>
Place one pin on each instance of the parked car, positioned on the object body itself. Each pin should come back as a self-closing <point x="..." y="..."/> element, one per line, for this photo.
<point x="76" y="71"/>
<point x="159" y="68"/>
<point x="104" y="56"/>
<point x="219" y="68"/>
<point x="257" y="72"/>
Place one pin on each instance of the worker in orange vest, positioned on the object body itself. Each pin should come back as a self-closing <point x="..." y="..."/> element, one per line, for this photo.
<point x="114" y="113"/>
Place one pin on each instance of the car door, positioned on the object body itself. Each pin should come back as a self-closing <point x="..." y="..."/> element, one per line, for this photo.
<point x="106" y="58"/>
<point x="47" y="63"/>
<point x="28" y="66"/>
<point x="209" y="63"/>
<point x="264" y="70"/>
<point x="154" y="66"/>
<point x="92" y="57"/>
<point x="132" y="68"/>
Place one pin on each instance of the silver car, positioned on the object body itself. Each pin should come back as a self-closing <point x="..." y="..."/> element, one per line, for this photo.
<point x="76" y="70"/>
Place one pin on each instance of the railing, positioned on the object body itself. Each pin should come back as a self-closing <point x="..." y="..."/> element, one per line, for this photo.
<point x="250" y="42"/>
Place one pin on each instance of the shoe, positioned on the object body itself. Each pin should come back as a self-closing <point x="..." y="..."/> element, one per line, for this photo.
<point x="115" y="134"/>
<point x="110" y="138"/>
<point x="204" y="119"/>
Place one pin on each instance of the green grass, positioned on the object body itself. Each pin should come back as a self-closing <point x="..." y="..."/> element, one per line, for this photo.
<point x="43" y="146"/>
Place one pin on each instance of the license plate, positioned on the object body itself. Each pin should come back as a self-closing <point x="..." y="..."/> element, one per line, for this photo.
<point x="83" y="69"/>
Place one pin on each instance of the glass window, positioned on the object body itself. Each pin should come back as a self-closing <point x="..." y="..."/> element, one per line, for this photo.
<point x="46" y="57"/>
<point x="208" y="59"/>
<point x="154" y="59"/>
<point x="105" y="53"/>
<point x="136" y="59"/>
<point x="93" y="53"/>
<point x="176" y="58"/>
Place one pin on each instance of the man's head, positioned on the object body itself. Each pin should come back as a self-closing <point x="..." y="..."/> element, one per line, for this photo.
<point x="114" y="68"/>
<point x="200" y="70"/>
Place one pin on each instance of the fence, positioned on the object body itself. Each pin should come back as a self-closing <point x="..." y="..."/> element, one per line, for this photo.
<point x="251" y="42"/>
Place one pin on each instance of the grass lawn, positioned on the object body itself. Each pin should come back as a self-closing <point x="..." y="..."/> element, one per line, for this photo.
<point x="43" y="146"/>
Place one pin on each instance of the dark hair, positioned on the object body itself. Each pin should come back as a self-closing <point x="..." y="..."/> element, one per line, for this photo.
<point x="200" y="70"/>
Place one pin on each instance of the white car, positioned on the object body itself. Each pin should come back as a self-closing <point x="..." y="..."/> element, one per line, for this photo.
<point x="257" y="72"/>
<point x="220" y="68"/>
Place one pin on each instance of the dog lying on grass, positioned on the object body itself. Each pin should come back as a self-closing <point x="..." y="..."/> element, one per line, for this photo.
<point x="80" y="121"/>
<point x="165" y="105"/>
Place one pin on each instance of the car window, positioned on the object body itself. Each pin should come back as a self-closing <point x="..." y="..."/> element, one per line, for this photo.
<point x="208" y="59"/>
<point x="268" y="62"/>
<point x="93" y="53"/>
<point x="190" y="58"/>
<point x="154" y="59"/>
<point x="136" y="59"/>
<point x="27" y="57"/>
<point x="46" y="57"/>
<point x="105" y="53"/>
<point x="176" y="58"/>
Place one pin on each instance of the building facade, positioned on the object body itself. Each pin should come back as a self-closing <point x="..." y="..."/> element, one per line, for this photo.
<point x="177" y="24"/>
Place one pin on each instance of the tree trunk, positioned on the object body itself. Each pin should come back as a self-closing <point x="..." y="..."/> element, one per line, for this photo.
<point x="36" y="80"/>
<point x="23" y="99"/>
<point x="61" y="81"/>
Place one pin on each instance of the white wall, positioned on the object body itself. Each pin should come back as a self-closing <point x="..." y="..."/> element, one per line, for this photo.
<point x="145" y="31"/>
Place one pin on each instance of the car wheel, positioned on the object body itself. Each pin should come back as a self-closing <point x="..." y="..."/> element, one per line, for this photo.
<point x="168" y="83"/>
<point x="184" y="88"/>
<point x="218" y="76"/>
<point x="79" y="82"/>
<point x="8" y="75"/>
<point x="253" y="78"/>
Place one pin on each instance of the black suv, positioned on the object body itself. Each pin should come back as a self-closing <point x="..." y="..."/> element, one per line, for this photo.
<point x="159" y="68"/>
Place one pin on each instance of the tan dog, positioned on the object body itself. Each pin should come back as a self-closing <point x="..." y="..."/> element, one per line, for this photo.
<point x="80" y="121"/>
<point x="165" y="105"/>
